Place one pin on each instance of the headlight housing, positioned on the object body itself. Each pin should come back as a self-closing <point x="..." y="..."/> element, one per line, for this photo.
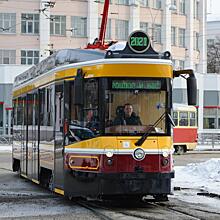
<point x="139" y="154"/>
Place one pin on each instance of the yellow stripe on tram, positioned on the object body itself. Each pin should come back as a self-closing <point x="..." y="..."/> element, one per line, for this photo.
<point x="59" y="191"/>
<point x="35" y="181"/>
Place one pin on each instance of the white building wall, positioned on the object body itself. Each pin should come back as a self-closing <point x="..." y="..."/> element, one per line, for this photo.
<point x="134" y="21"/>
<point x="166" y="25"/>
<point x="44" y="30"/>
<point x="189" y="35"/>
<point x="92" y="21"/>
<point x="202" y="67"/>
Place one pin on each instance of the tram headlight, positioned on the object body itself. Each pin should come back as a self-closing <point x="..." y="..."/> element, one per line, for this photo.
<point x="139" y="154"/>
<point x="109" y="154"/>
<point x="165" y="154"/>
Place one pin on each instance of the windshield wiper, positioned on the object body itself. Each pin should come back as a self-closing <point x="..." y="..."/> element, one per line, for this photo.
<point x="149" y="130"/>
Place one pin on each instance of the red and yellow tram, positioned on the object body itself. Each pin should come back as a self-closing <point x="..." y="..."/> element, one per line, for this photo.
<point x="65" y="135"/>
<point x="185" y="133"/>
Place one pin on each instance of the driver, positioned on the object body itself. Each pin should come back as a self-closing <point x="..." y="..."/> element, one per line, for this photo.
<point x="127" y="117"/>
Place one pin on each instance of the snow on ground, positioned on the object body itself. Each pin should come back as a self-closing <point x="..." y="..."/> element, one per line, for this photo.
<point x="196" y="178"/>
<point x="207" y="147"/>
<point x="5" y="148"/>
<point x="204" y="176"/>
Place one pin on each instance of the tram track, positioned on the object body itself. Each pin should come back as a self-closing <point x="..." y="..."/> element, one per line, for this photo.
<point x="151" y="210"/>
<point x="95" y="210"/>
<point x="189" y="210"/>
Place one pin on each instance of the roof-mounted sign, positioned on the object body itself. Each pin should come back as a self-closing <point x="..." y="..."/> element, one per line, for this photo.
<point x="139" y="41"/>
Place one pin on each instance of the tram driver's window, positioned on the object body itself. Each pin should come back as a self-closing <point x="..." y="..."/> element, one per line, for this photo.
<point x="84" y="119"/>
<point x="183" y="119"/>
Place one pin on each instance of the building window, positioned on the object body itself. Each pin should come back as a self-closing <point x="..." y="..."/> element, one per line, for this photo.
<point x="218" y="123"/>
<point x="157" y="33"/>
<point x="157" y="4"/>
<point x="30" y="23"/>
<point x="144" y="26"/>
<point x="121" y="32"/>
<point x="7" y="23"/>
<point x="79" y="25"/>
<point x="182" y="37"/>
<point x="173" y="36"/>
<point x="144" y="3"/>
<point x="211" y="42"/>
<point x="210" y="118"/>
<point x="29" y="57"/>
<point x="209" y="123"/>
<point x="181" y="64"/>
<point x="58" y="25"/>
<point x="182" y="7"/>
<point x="122" y="2"/>
<point x="7" y="56"/>
<point x="108" y="28"/>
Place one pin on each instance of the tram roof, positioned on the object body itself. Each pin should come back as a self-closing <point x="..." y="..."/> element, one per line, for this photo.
<point x="183" y="107"/>
<point x="59" y="58"/>
<point x="75" y="58"/>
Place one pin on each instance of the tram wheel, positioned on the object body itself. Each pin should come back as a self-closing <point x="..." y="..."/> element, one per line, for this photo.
<point x="179" y="149"/>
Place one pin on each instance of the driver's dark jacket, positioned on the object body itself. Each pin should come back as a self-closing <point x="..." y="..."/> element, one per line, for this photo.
<point x="122" y="120"/>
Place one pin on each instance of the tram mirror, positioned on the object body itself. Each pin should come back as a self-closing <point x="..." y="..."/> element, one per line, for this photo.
<point x="191" y="84"/>
<point x="78" y="88"/>
<point x="170" y="119"/>
<point x="191" y="89"/>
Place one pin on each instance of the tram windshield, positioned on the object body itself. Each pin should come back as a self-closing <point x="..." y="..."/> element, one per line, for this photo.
<point x="133" y="105"/>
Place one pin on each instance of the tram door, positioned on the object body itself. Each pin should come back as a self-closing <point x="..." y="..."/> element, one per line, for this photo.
<point x="35" y="132"/>
<point x="23" y="102"/>
<point x="59" y="120"/>
<point x="29" y="134"/>
<point x="32" y="136"/>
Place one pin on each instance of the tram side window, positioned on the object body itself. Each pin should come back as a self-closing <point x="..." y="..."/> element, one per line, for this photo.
<point x="183" y="118"/>
<point x="192" y="118"/>
<point x="46" y="113"/>
<point x="15" y="106"/>
<point x="90" y="111"/>
<point x="175" y="118"/>
<point x="20" y="112"/>
<point x="30" y="109"/>
<point x="42" y="106"/>
<point x="59" y="112"/>
<point x="84" y="121"/>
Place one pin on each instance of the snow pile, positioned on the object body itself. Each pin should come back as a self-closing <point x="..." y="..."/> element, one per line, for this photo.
<point x="5" y="148"/>
<point x="204" y="176"/>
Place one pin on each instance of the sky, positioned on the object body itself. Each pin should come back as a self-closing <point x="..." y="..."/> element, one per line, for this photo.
<point x="213" y="10"/>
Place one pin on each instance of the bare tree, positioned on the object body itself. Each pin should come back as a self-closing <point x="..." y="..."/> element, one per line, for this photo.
<point x="213" y="57"/>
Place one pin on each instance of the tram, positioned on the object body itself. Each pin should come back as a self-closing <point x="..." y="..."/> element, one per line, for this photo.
<point x="185" y="133"/>
<point x="64" y="132"/>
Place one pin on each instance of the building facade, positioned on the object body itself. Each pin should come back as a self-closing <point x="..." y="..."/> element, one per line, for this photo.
<point x="31" y="30"/>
